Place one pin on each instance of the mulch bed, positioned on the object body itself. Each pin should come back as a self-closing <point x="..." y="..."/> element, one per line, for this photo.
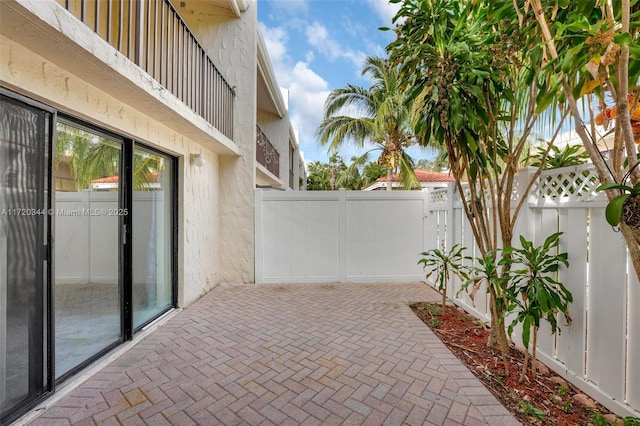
<point x="546" y="399"/>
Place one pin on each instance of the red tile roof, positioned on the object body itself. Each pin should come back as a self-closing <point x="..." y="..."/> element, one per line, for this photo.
<point x="424" y="176"/>
<point x="152" y="177"/>
<point x="108" y="179"/>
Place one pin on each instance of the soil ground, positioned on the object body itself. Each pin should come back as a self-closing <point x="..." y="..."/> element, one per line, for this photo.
<point x="546" y="399"/>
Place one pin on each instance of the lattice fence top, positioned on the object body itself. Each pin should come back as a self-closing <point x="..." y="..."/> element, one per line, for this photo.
<point x="576" y="183"/>
<point x="438" y="196"/>
<point x="567" y="184"/>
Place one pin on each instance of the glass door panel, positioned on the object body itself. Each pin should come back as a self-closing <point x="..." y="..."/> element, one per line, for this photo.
<point x="24" y="141"/>
<point x="88" y="251"/>
<point x="152" y="234"/>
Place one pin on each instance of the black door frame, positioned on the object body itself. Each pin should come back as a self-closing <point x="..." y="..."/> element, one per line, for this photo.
<point x="43" y="367"/>
<point x="47" y="251"/>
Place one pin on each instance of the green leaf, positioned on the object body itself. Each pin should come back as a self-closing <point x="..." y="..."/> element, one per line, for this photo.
<point x="473" y="171"/>
<point x="623" y="39"/>
<point x="544" y="101"/>
<point x="613" y="212"/>
<point x="613" y="185"/>
<point x="471" y="141"/>
<point x="580" y="24"/>
<point x="568" y="61"/>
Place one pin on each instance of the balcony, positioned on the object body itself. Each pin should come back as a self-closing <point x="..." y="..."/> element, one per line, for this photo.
<point x="154" y="37"/>
<point x="266" y="154"/>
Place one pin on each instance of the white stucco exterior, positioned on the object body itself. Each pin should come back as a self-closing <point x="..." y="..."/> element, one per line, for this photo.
<point x="50" y="56"/>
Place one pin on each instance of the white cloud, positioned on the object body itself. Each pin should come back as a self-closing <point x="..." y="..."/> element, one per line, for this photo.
<point x="291" y="13"/>
<point x="309" y="56"/>
<point x="289" y="7"/>
<point x="275" y="40"/>
<point x="385" y="10"/>
<point x="308" y="92"/>
<point x="318" y="37"/>
<point x="307" y="89"/>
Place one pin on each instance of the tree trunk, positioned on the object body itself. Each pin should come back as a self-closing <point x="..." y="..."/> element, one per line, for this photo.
<point x="389" y="179"/>
<point x="533" y="352"/>
<point x="523" y="372"/>
<point x="498" y="333"/>
<point x="632" y="236"/>
<point x="334" y="178"/>
<point x="444" y="291"/>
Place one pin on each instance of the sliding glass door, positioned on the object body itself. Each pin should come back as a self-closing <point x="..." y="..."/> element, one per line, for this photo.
<point x="88" y="203"/>
<point x="152" y="234"/>
<point x="87" y="246"/>
<point x="24" y="147"/>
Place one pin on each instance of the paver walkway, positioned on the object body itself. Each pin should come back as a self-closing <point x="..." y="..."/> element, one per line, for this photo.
<point x="287" y="354"/>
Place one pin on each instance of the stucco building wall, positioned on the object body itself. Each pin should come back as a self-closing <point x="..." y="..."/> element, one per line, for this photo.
<point x="74" y="71"/>
<point x="232" y="45"/>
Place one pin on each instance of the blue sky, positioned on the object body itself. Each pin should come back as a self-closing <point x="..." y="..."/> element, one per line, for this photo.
<point x="317" y="46"/>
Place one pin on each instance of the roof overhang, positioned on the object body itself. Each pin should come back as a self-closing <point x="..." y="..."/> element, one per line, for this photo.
<point x="236" y="6"/>
<point x="293" y="137"/>
<point x="269" y="94"/>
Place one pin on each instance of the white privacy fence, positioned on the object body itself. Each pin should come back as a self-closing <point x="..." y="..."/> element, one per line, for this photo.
<point x="88" y="241"/>
<point x="377" y="236"/>
<point x="326" y="236"/>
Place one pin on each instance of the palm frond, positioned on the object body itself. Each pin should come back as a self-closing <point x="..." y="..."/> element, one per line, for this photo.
<point x="353" y="171"/>
<point x="334" y="131"/>
<point x="102" y="160"/>
<point x="355" y="97"/>
<point x="407" y="173"/>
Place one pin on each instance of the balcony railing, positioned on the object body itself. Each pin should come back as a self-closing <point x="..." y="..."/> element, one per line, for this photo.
<point x="154" y="37"/>
<point x="266" y="154"/>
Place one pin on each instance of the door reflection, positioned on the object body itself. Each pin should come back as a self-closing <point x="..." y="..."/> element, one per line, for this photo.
<point x="87" y="250"/>
<point x="152" y="234"/>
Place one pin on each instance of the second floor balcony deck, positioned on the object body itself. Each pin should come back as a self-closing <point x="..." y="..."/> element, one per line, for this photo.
<point x="153" y="36"/>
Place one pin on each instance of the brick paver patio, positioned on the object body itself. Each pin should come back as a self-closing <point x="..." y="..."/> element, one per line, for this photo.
<point x="287" y="354"/>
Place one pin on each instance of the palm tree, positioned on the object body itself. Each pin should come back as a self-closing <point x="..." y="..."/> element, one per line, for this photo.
<point x="381" y="115"/>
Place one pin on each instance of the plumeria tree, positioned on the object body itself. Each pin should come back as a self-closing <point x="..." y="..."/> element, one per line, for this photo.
<point x="591" y="52"/>
<point x="474" y="87"/>
<point x="380" y="115"/>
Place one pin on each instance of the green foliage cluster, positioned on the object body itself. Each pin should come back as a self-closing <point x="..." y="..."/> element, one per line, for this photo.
<point x="533" y="291"/>
<point x="584" y="32"/>
<point x="481" y="73"/>
<point x="467" y="76"/>
<point x="591" y="52"/>
<point x="323" y="176"/>
<point x="336" y="174"/>
<point x="631" y="421"/>
<point x="529" y="409"/>
<point x="90" y="157"/>
<point x="439" y="163"/>
<point x="528" y="286"/>
<point x="571" y="155"/>
<point x="444" y="264"/>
